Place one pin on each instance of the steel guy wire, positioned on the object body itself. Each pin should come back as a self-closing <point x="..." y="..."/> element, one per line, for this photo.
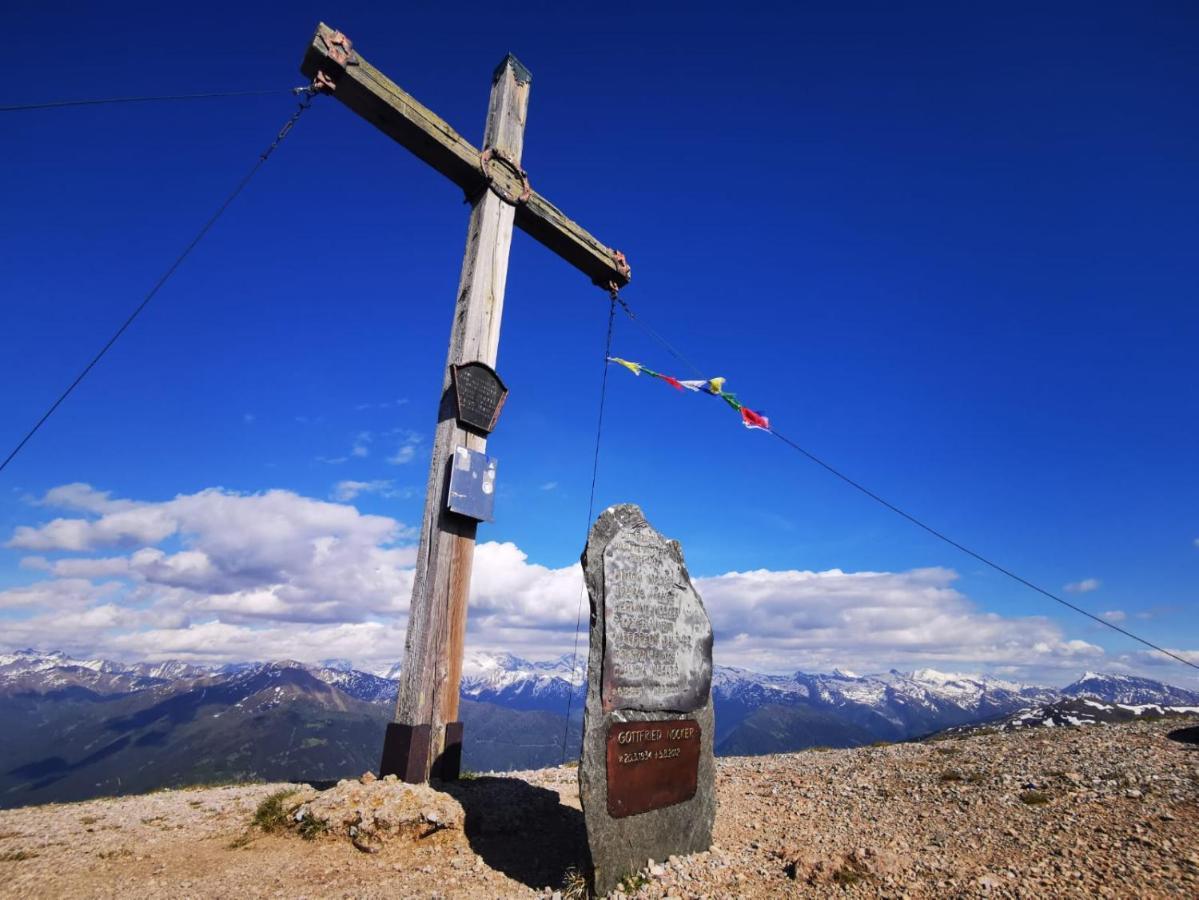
<point x="913" y="519"/>
<point x="599" y="429"/>
<point x="101" y="101"/>
<point x="305" y="101"/>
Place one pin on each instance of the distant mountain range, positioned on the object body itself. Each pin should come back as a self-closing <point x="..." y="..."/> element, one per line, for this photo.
<point x="71" y="728"/>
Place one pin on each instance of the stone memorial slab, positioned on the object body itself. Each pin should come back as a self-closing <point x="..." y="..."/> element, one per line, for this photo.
<point x="646" y="778"/>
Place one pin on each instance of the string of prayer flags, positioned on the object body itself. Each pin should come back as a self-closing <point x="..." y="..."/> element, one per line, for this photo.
<point x="713" y="386"/>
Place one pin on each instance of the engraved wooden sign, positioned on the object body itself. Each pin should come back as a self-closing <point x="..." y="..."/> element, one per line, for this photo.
<point x="651" y="765"/>
<point x="480" y="395"/>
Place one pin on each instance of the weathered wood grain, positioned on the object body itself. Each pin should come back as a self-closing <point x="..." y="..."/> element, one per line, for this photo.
<point x="433" y="647"/>
<point x="379" y="100"/>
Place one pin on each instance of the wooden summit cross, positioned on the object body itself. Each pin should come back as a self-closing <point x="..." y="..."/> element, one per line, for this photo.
<point x="426" y="739"/>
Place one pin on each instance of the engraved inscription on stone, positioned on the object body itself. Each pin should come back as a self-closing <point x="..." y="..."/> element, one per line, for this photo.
<point x="480" y="395"/>
<point x="647" y="773"/>
<point x="651" y="765"/>
<point x="658" y="645"/>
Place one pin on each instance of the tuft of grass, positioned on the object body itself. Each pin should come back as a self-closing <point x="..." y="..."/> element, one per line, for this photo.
<point x="1034" y="798"/>
<point x="88" y="820"/>
<point x="468" y="775"/>
<point x="271" y="814"/>
<point x="310" y="827"/>
<point x="571" y="764"/>
<point x="242" y="840"/>
<point x="950" y="775"/>
<point x="574" y="885"/>
<point x="634" y="882"/>
<point x="947" y="751"/>
<point x="17" y="855"/>
<point x="880" y="743"/>
<point x="848" y="874"/>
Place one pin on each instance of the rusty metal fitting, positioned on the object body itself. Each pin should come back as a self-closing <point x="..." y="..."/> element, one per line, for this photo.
<point x="340" y="49"/>
<point x="622" y="264"/>
<point x="322" y="83"/>
<point x="516" y="174"/>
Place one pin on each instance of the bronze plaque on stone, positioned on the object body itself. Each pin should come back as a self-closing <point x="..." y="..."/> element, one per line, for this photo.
<point x="651" y="765"/>
<point x="480" y="395"/>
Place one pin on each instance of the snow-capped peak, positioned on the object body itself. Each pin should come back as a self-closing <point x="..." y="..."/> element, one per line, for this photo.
<point x="932" y="676"/>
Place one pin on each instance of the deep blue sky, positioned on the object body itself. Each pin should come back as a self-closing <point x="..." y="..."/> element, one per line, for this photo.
<point x="952" y="251"/>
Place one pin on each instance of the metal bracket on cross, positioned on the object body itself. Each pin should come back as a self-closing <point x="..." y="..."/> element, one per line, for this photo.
<point x="503" y="176"/>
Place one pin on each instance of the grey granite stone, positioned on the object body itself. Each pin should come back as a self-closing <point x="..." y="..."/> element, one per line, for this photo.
<point x="650" y="660"/>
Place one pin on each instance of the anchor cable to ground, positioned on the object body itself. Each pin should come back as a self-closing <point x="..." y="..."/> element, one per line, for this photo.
<point x="305" y="101"/>
<point x="913" y="519"/>
<point x="104" y="101"/>
<point x="599" y="430"/>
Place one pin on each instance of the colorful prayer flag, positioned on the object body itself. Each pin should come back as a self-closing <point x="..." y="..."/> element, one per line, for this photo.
<point x="713" y="386"/>
<point x="752" y="419"/>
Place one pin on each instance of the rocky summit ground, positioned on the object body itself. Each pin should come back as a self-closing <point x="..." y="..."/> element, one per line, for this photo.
<point x="1097" y="811"/>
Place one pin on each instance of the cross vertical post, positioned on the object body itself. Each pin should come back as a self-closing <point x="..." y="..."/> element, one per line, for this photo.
<point x="432" y="669"/>
<point x="425" y="738"/>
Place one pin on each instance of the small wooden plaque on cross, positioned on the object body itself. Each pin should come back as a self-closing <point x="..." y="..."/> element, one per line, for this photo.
<point x="501" y="196"/>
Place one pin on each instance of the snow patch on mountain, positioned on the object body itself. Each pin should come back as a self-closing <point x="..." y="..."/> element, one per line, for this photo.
<point x="894" y="705"/>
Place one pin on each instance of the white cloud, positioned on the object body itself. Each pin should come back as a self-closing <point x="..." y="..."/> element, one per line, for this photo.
<point x="873" y="620"/>
<point x="386" y="404"/>
<point x="83" y="498"/>
<point x="244" y="557"/>
<point x="1114" y="615"/>
<point x="1083" y="587"/>
<point x="221" y="576"/>
<point x="361" y="446"/>
<point x="550" y="486"/>
<point x="348" y="490"/>
<point x="145" y="524"/>
<point x="1141" y="659"/>
<point x="406" y="451"/>
<point x="58" y="596"/>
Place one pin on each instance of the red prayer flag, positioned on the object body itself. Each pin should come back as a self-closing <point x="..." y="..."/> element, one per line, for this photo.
<point x="673" y="382"/>
<point x="752" y="420"/>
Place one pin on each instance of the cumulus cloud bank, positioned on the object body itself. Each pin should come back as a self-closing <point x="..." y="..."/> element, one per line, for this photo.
<point x="221" y="576"/>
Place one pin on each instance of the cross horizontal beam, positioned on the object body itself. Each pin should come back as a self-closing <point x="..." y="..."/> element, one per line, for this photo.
<point x="379" y="100"/>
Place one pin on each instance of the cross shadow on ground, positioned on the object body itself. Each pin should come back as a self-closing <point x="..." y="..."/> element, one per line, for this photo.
<point x="526" y="832"/>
